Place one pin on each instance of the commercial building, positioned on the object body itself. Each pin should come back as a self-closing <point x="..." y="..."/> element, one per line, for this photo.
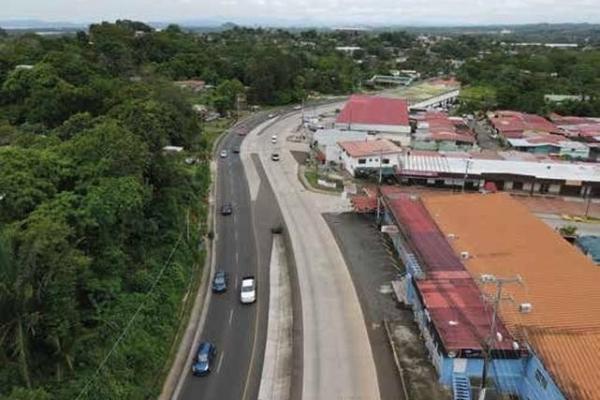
<point x="560" y="326"/>
<point x="454" y="319"/>
<point x="381" y="116"/>
<point x="551" y="145"/>
<point x="363" y="158"/>
<point x="511" y="171"/>
<point x="547" y="339"/>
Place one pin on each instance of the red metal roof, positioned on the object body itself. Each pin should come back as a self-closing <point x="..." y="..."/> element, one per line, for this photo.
<point x="513" y="124"/>
<point x="374" y="110"/>
<point x="453" y="300"/>
<point x="426" y="238"/>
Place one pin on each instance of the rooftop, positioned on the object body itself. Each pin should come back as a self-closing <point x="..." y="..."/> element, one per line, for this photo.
<point x="453" y="300"/>
<point x="434" y="164"/>
<point x="514" y="124"/>
<point x="505" y="239"/>
<point x="374" y="110"/>
<point x="363" y="148"/>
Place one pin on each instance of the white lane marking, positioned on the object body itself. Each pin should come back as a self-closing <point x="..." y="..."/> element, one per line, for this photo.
<point x="236" y="281"/>
<point x="220" y="362"/>
<point x="230" y="316"/>
<point x="237" y="257"/>
<point x="236" y="235"/>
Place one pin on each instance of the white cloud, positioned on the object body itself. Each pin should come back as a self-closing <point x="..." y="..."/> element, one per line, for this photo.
<point x="323" y="11"/>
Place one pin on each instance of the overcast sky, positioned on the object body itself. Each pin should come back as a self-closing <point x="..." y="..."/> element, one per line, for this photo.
<point x="432" y="12"/>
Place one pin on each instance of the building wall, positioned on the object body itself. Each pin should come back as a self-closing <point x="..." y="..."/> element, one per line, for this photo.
<point x="523" y="377"/>
<point x="351" y="164"/>
<point x="537" y="383"/>
<point x="374" y="127"/>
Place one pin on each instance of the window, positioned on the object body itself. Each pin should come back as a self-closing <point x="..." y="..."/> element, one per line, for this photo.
<point x="370" y="160"/>
<point x="541" y="378"/>
<point x="362" y="161"/>
<point x="386" y="161"/>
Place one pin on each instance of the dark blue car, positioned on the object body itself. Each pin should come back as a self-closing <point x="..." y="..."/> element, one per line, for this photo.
<point x="219" y="284"/>
<point x="204" y="359"/>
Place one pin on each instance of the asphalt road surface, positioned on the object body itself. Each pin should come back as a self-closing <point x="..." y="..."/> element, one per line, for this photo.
<point x="238" y="331"/>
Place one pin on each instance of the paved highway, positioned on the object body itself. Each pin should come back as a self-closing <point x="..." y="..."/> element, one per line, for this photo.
<point x="237" y="330"/>
<point x="337" y="362"/>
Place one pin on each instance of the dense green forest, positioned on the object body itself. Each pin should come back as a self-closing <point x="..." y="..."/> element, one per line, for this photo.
<point x="97" y="223"/>
<point x="505" y="77"/>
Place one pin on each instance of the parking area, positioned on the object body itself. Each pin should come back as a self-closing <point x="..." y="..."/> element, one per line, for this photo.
<point x="373" y="266"/>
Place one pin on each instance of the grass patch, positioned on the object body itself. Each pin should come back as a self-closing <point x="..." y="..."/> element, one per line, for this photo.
<point x="312" y="178"/>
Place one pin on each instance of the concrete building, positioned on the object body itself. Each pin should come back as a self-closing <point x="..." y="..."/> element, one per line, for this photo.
<point x="364" y="158"/>
<point x="551" y="145"/>
<point x="511" y="171"/>
<point x="381" y="116"/>
<point x="546" y="343"/>
<point x="326" y="141"/>
<point x="437" y="131"/>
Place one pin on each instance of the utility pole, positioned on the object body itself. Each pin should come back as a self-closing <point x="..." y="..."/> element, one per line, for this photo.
<point x="588" y="192"/>
<point x="491" y="339"/>
<point x="468" y="165"/>
<point x="379" y="186"/>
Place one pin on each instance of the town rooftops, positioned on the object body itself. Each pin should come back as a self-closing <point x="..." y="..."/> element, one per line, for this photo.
<point x="504" y="239"/>
<point x="514" y="124"/>
<point x="365" y="148"/>
<point x="374" y="110"/>
<point x="448" y="292"/>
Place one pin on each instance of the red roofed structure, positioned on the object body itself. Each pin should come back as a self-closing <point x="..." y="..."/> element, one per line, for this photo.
<point x="374" y="114"/>
<point x="515" y="125"/>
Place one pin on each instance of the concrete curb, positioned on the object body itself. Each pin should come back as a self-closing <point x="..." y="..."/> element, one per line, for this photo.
<point x="174" y="382"/>
<point x="276" y="374"/>
<point x="399" y="369"/>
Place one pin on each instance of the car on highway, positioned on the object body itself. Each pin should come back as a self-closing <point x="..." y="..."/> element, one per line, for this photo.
<point x="204" y="359"/>
<point x="297" y="107"/>
<point x="227" y="208"/>
<point x="236" y="150"/>
<point x="248" y="290"/>
<point x="274" y="139"/>
<point x="223" y="153"/>
<point x="272" y="115"/>
<point x="219" y="283"/>
<point x="275" y="156"/>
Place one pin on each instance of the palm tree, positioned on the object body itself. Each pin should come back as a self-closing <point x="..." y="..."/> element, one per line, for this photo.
<point x="18" y="319"/>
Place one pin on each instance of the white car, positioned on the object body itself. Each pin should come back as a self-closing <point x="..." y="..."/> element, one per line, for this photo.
<point x="297" y="107"/>
<point x="274" y="139"/>
<point x="248" y="290"/>
<point x="275" y="157"/>
<point x="223" y="153"/>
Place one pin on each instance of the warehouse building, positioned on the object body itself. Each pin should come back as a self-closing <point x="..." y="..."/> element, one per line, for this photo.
<point x="380" y="116"/>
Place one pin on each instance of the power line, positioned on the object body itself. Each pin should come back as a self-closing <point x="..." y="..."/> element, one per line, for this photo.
<point x="130" y="322"/>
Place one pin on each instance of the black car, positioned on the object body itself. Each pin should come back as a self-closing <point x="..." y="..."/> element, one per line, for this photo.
<point x="226" y="209"/>
<point x="236" y="150"/>
<point x="219" y="284"/>
<point x="204" y="359"/>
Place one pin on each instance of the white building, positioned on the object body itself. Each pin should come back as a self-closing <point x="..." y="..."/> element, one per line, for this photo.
<point x="362" y="158"/>
<point x="385" y="117"/>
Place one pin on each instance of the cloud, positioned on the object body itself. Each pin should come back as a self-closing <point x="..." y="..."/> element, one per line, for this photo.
<point x="323" y="11"/>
